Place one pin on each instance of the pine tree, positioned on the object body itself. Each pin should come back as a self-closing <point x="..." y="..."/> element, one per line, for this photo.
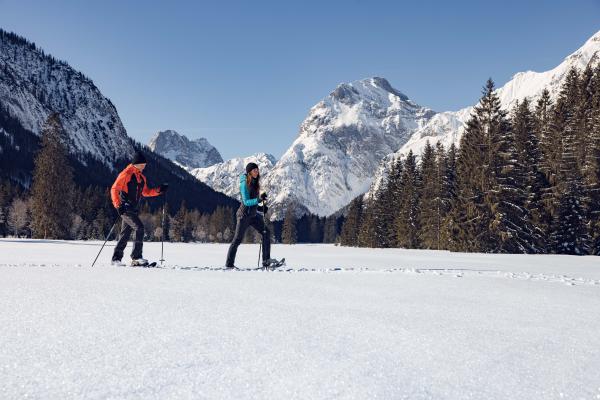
<point x="316" y="229"/>
<point x="387" y="206"/>
<point x="476" y="176"/>
<point x="178" y="224"/>
<point x="512" y="225"/>
<point x="330" y="232"/>
<point x="289" y="233"/>
<point x="569" y="232"/>
<point x="382" y="216"/>
<point x="533" y="180"/>
<point x="408" y="226"/>
<point x="52" y="190"/>
<point x="592" y="166"/>
<point x="432" y="196"/>
<point x="547" y="141"/>
<point x="349" y="234"/>
<point x="219" y="223"/>
<point x="449" y="189"/>
<point x="582" y="118"/>
<point x="366" y="233"/>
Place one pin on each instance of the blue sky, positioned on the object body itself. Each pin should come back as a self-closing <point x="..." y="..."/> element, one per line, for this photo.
<point x="244" y="74"/>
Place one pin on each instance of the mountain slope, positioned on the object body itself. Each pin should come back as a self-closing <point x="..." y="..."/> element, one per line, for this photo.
<point x="33" y="84"/>
<point x="198" y="153"/>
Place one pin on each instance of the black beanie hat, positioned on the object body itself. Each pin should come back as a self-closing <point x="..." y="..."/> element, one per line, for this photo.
<point x="139" y="158"/>
<point x="250" y="167"/>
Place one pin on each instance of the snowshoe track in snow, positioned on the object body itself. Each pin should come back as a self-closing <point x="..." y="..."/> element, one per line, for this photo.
<point x="449" y="272"/>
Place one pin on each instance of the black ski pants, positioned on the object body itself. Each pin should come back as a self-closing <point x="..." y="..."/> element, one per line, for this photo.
<point x="243" y="223"/>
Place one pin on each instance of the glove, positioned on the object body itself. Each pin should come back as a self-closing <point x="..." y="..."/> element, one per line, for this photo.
<point x="123" y="208"/>
<point x="263" y="196"/>
<point x="263" y="209"/>
<point x="163" y="187"/>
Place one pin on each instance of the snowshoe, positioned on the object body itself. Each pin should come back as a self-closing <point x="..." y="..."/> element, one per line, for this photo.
<point x="142" y="262"/>
<point x="273" y="263"/>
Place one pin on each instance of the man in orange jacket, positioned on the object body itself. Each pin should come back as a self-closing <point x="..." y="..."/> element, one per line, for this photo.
<point x="126" y="193"/>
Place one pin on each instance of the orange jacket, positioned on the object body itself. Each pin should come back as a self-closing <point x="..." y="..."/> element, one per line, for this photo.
<point x="129" y="186"/>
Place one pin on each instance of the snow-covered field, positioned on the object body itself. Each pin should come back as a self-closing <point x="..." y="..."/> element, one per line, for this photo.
<point x="343" y="324"/>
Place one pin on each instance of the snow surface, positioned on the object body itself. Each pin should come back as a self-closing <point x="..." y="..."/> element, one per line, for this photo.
<point x="343" y="323"/>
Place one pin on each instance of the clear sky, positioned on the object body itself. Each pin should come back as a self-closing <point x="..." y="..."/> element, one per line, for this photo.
<point x="244" y="74"/>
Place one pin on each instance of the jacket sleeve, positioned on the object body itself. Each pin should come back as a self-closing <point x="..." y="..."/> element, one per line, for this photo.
<point x="248" y="202"/>
<point x="147" y="192"/>
<point x="119" y="186"/>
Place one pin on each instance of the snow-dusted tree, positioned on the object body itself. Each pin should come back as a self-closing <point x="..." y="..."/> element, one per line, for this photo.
<point x="569" y="231"/>
<point x="77" y="225"/>
<point x="591" y="172"/>
<point x="511" y="226"/>
<point x="407" y="223"/>
<point x="18" y="216"/>
<point x="385" y="207"/>
<point x="434" y="198"/>
<point x="158" y="231"/>
<point x="449" y="160"/>
<point x="468" y="226"/>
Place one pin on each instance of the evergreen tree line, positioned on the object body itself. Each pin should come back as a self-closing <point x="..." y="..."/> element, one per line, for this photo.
<point x="92" y="216"/>
<point x="308" y="228"/>
<point x="524" y="181"/>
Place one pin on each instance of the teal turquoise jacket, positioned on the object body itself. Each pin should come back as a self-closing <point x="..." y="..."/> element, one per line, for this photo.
<point x="246" y="200"/>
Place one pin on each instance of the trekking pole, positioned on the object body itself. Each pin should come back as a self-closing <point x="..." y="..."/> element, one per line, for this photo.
<point x="263" y="233"/>
<point x="107" y="237"/>
<point x="162" y="224"/>
<point x="259" y="249"/>
<point x="261" y="240"/>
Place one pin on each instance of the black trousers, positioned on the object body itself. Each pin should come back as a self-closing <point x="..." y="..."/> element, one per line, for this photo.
<point x="131" y="222"/>
<point x="243" y="223"/>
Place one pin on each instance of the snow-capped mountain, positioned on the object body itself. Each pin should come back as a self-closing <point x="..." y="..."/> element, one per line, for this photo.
<point x="223" y="177"/>
<point x="448" y="127"/>
<point x="190" y="154"/>
<point x="33" y="85"/>
<point x="340" y="145"/>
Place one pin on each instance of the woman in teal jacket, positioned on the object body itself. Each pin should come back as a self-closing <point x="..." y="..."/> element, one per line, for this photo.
<point x="247" y="216"/>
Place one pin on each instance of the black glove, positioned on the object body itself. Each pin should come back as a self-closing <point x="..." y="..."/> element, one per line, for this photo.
<point x="163" y="187"/>
<point x="123" y="208"/>
<point x="263" y="209"/>
<point x="263" y="196"/>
